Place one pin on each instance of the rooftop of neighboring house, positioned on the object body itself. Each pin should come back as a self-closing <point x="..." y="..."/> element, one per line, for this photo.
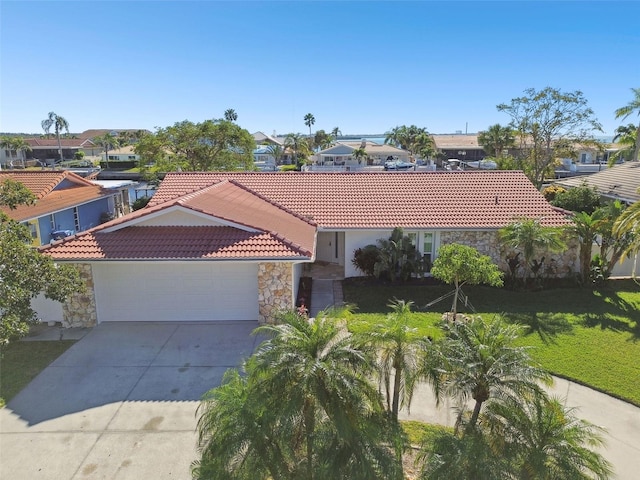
<point x="54" y="191"/>
<point x="620" y="182"/>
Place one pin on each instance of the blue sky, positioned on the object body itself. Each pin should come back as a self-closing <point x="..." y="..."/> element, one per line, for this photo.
<point x="364" y="67"/>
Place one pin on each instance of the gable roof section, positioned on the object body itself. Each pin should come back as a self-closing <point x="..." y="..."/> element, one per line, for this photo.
<point x="50" y="199"/>
<point x="271" y="231"/>
<point x="421" y="200"/>
<point x="620" y="182"/>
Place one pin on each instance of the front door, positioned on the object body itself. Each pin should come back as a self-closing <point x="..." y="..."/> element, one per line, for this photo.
<point x="330" y="247"/>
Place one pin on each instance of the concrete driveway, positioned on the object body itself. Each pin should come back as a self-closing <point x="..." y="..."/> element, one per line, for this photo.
<point x="121" y="403"/>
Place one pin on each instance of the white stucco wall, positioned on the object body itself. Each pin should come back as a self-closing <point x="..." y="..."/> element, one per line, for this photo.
<point x="47" y="310"/>
<point x="358" y="239"/>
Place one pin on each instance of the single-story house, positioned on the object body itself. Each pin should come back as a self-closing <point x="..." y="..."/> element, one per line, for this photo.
<point x="341" y="155"/>
<point x="460" y="147"/>
<point x="66" y="203"/>
<point x="233" y="245"/>
<point x="45" y="150"/>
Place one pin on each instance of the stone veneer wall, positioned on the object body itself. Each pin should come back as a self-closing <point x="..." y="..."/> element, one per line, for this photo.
<point x="80" y="309"/>
<point x="563" y="264"/>
<point x="275" y="290"/>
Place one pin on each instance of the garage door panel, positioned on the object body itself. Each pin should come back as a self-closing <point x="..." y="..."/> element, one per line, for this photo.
<point x="176" y="291"/>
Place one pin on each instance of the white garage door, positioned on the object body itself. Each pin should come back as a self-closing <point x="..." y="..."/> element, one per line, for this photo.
<point x="176" y="291"/>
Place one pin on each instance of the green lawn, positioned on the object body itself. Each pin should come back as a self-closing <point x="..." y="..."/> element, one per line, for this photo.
<point x="21" y="362"/>
<point x="589" y="336"/>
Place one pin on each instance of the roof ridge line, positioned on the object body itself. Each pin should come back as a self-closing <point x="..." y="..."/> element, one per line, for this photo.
<point x="271" y="202"/>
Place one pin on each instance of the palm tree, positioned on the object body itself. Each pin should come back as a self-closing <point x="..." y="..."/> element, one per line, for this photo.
<point x="481" y="361"/>
<point x="236" y="438"/>
<point x="545" y="440"/>
<point x="630" y="108"/>
<point x="627" y="225"/>
<point x="58" y="123"/>
<point x="529" y="236"/>
<point x="276" y="152"/>
<point x="298" y="144"/>
<point x="585" y="227"/>
<point x="336" y="132"/>
<point x="359" y="154"/>
<point x="468" y="457"/>
<point x="317" y="381"/>
<point x="17" y="145"/>
<point x="496" y="139"/>
<point x="230" y="115"/>
<point x="399" y="349"/>
<point x="108" y="142"/>
<point x="308" y="121"/>
<point x="626" y="137"/>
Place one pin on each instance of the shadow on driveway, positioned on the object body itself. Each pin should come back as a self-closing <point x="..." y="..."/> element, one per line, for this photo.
<point x="135" y="362"/>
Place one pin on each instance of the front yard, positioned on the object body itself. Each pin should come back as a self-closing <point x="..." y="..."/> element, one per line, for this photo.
<point x="586" y="335"/>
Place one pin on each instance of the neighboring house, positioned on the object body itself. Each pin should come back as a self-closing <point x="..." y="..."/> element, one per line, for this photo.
<point x="66" y="204"/>
<point x="264" y="139"/>
<point x="264" y="159"/>
<point x="231" y="246"/>
<point x="620" y="182"/>
<point x="122" y="154"/>
<point x="341" y="155"/>
<point x="45" y="150"/>
<point x="460" y="147"/>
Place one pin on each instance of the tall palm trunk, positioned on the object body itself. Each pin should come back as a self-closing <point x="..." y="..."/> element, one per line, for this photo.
<point x="397" y="382"/>
<point x="59" y="144"/>
<point x="636" y="150"/>
<point x="474" y="415"/>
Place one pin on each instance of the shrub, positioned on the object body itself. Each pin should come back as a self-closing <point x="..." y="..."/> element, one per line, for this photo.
<point x="578" y="199"/>
<point x="365" y="259"/>
<point x="140" y="203"/>
<point x="552" y="191"/>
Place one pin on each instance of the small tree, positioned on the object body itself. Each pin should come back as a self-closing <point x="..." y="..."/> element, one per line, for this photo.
<point x="460" y="264"/>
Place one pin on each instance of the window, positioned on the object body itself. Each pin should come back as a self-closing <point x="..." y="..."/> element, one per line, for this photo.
<point x="76" y="218"/>
<point x="52" y="222"/>
<point x="132" y="157"/>
<point x="427" y="246"/>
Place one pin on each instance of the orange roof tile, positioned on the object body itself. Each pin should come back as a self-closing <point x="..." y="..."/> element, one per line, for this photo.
<point x="264" y="230"/>
<point x="437" y="200"/>
<point x="172" y="243"/>
<point x="49" y="199"/>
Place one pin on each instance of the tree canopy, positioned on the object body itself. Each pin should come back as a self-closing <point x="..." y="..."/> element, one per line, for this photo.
<point x="546" y="119"/>
<point x="209" y="145"/>
<point x="460" y="264"/>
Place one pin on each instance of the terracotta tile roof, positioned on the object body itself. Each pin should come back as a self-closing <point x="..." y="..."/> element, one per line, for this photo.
<point x="172" y="243"/>
<point x="437" y="200"/>
<point x="49" y="199"/>
<point x="262" y="230"/>
<point x="42" y="183"/>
